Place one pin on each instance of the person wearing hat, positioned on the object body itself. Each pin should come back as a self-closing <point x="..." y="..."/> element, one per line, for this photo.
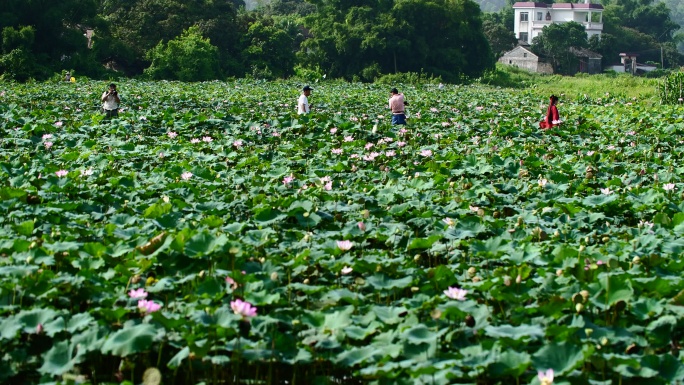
<point x="303" y="102"/>
<point x="396" y="104"/>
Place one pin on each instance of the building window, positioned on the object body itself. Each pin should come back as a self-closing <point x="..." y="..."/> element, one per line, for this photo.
<point x="524" y="54"/>
<point x="524" y="16"/>
<point x="539" y="16"/>
<point x="523" y="36"/>
<point x="548" y="16"/>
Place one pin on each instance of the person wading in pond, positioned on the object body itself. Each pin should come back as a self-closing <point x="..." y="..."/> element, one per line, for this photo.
<point x="110" y="102"/>
<point x="303" y="106"/>
<point x="552" y="118"/>
<point x="396" y="104"/>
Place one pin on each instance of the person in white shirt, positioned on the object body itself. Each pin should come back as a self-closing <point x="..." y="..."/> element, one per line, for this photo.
<point x="110" y="101"/>
<point x="303" y="102"/>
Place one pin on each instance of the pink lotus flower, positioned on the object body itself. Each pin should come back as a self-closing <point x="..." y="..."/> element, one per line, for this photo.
<point x="171" y="134"/>
<point x="333" y="130"/>
<point x="242" y="308"/>
<point x="390" y="153"/>
<point x="668" y="186"/>
<point x="344" y="245"/>
<point x="349" y="138"/>
<point x="288" y="179"/>
<point x="48" y="144"/>
<point x="61" y="173"/>
<point x="361" y="226"/>
<point x="401" y="144"/>
<point x="328" y="186"/>
<point x="137" y="293"/>
<point x="368" y="146"/>
<point x="231" y="282"/>
<point x="39" y="329"/>
<point x="47" y="136"/>
<point x="606" y="191"/>
<point x="426" y="153"/>
<point x="346" y="270"/>
<point x="59" y="124"/>
<point x="545" y="377"/>
<point x="238" y="143"/>
<point x="194" y="140"/>
<point x="479" y="108"/>
<point x="186" y="175"/>
<point x="336" y="151"/>
<point x="207" y="139"/>
<point x="456" y="293"/>
<point x="148" y="306"/>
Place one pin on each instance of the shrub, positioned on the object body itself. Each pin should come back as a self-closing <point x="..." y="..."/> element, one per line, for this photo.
<point x="408" y="78"/>
<point x="189" y="57"/>
<point x="671" y="89"/>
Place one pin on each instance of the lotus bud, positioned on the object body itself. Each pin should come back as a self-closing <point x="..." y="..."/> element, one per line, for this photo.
<point x="378" y="268"/>
<point x="585" y="295"/>
<point x="579" y="307"/>
<point x="306" y="281"/>
<point x="559" y="273"/>
<point x="518" y="279"/>
<point x="39" y="329"/>
<point x="201" y="274"/>
<point x="588" y="332"/>
<point x="604" y="341"/>
<point x="135" y="279"/>
<point x="416" y="258"/>
<point x="476" y="279"/>
<point x="471" y="271"/>
<point x="274" y="276"/>
<point x="582" y="248"/>
<point x="436" y="314"/>
<point x="507" y="281"/>
<point x="636" y="260"/>
<point x="415" y="289"/>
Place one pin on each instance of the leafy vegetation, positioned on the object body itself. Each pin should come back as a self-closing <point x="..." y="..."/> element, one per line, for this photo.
<point x="213" y="233"/>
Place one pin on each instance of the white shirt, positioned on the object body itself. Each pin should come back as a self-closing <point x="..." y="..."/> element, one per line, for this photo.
<point x="303" y="105"/>
<point x="109" y="103"/>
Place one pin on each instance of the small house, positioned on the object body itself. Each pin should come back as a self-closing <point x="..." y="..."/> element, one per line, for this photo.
<point x="522" y="57"/>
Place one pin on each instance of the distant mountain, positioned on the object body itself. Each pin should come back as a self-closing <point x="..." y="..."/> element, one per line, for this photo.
<point x="491" y="5"/>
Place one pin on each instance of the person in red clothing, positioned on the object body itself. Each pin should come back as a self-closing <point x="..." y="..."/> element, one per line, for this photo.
<point x="552" y="118"/>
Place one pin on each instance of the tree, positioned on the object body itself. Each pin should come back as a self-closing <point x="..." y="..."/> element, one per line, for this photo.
<point x="269" y="49"/>
<point x="361" y="39"/>
<point x="57" y="33"/>
<point x="501" y="39"/>
<point x="189" y="58"/>
<point x="555" y="42"/>
<point x="141" y="25"/>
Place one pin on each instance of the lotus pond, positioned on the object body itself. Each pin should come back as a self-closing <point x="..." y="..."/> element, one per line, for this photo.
<point x="212" y="233"/>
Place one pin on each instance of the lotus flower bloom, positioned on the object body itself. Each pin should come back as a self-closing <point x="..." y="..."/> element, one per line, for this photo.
<point x="542" y="182"/>
<point x="245" y="309"/>
<point x="171" y="134"/>
<point x="186" y="175"/>
<point x="361" y="226"/>
<point x="137" y="293"/>
<point x="336" y="151"/>
<point x="390" y="153"/>
<point x="346" y="270"/>
<point x="333" y="130"/>
<point x="231" y="282"/>
<point x="48" y="144"/>
<point x="426" y="153"/>
<point x="194" y="140"/>
<point x="456" y="293"/>
<point x="207" y="139"/>
<point x="590" y="153"/>
<point x="47" y="136"/>
<point x="479" y="108"/>
<point x="328" y="186"/>
<point x="349" y="138"/>
<point x="545" y="377"/>
<point x="61" y="173"/>
<point x="401" y="144"/>
<point x="288" y="179"/>
<point x="669" y="186"/>
<point x="606" y="191"/>
<point x="238" y="143"/>
<point x="59" y="124"/>
<point x="368" y="146"/>
<point x="148" y="306"/>
<point x="473" y="208"/>
<point x="344" y="245"/>
<point x="449" y="222"/>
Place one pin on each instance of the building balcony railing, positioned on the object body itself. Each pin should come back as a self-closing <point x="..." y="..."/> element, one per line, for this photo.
<point x="539" y="24"/>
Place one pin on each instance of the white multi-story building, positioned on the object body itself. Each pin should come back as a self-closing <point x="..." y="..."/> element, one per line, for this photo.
<point x="531" y="18"/>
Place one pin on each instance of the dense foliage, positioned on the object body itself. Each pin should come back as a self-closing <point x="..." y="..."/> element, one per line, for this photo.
<point x="147" y="241"/>
<point x="555" y="43"/>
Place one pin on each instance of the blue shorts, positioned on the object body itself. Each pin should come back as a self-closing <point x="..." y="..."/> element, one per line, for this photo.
<point x="399" y="119"/>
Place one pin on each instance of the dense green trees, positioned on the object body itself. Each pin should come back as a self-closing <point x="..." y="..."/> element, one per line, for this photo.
<point x="189" y="58"/>
<point x="362" y="39"/>
<point x="555" y="42"/>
